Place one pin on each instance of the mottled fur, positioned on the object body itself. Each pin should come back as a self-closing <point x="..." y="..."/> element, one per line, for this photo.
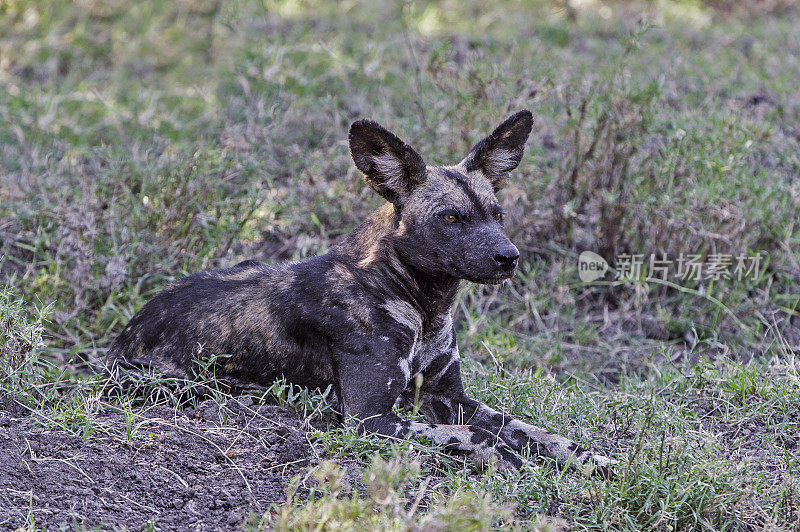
<point x="375" y="312"/>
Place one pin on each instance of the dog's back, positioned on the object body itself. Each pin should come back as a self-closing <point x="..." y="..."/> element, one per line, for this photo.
<point x="249" y="317"/>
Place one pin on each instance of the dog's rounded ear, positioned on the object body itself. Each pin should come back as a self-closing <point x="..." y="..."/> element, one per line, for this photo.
<point x="390" y="166"/>
<point x="499" y="153"/>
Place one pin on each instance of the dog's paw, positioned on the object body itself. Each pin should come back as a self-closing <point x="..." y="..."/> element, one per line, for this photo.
<point x="599" y="466"/>
<point x="507" y="458"/>
<point x="499" y="456"/>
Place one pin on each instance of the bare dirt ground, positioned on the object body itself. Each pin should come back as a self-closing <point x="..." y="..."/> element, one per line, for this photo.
<point x="181" y="470"/>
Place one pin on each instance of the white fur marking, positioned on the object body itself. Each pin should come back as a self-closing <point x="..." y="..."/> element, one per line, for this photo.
<point x="454" y="357"/>
<point x="501" y="161"/>
<point x="405" y="367"/>
<point x="404" y="314"/>
<point x="430" y="347"/>
<point x="390" y="169"/>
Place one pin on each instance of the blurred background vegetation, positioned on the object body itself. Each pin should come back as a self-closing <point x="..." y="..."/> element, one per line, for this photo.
<point x="141" y="141"/>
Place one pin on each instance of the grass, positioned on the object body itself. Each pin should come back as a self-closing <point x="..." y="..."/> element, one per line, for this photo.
<point x="141" y="143"/>
<point x="706" y="445"/>
<point x="385" y="506"/>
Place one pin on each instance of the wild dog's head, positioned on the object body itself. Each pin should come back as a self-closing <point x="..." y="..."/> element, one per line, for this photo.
<point x="450" y="222"/>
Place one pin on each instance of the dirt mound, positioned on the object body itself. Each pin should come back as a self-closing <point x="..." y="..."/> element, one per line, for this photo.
<point x="204" y="469"/>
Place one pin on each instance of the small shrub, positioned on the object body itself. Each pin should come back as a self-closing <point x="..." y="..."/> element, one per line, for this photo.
<point x="21" y="330"/>
<point x="390" y="502"/>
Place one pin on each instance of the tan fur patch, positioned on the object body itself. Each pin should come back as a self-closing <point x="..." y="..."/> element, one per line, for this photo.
<point x="242" y="275"/>
<point x="371" y="255"/>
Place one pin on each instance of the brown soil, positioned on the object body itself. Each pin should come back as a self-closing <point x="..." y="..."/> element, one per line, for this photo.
<point x="182" y="470"/>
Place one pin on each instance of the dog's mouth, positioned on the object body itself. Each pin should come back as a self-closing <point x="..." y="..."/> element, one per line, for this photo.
<point x="496" y="278"/>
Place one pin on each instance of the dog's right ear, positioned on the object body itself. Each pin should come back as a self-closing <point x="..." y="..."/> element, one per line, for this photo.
<point x="390" y="166"/>
<point x="499" y="153"/>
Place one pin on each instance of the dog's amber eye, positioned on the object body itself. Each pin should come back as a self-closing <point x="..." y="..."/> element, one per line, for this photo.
<point x="450" y="218"/>
<point x="498" y="216"/>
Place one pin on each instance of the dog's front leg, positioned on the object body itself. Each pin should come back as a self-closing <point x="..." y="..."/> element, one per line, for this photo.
<point x="445" y="401"/>
<point x="520" y="435"/>
<point x="370" y="390"/>
<point x="477" y="443"/>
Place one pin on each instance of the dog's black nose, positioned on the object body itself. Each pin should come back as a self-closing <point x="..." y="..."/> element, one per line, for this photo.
<point x="507" y="257"/>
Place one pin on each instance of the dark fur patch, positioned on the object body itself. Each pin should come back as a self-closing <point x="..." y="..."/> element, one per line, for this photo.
<point x="461" y="181"/>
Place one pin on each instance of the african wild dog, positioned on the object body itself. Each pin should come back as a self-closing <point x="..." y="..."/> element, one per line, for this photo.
<point x="374" y="312"/>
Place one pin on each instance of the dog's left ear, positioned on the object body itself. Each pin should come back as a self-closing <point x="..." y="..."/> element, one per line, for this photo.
<point x="391" y="167"/>
<point x="501" y="152"/>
